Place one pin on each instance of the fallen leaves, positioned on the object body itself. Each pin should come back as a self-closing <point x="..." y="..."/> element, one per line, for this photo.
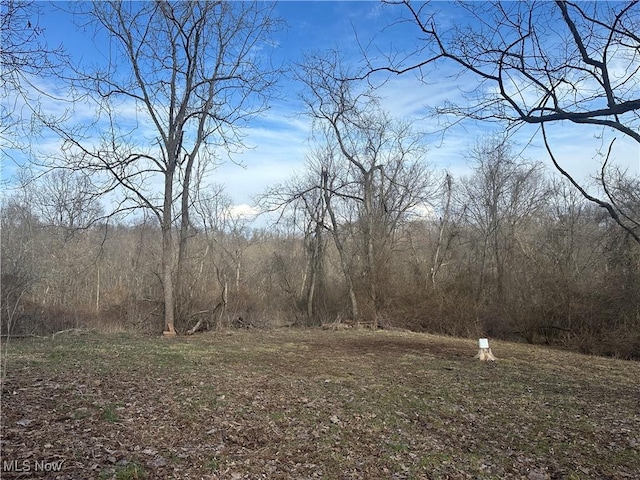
<point x="316" y="404"/>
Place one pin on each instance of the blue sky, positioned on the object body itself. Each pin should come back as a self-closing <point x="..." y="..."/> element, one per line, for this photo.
<point x="279" y="137"/>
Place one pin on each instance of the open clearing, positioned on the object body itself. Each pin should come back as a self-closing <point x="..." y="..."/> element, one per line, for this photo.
<point x="314" y="404"/>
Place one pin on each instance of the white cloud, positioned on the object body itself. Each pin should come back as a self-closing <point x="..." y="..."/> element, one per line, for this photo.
<point x="280" y="137"/>
<point x="243" y="211"/>
<point x="424" y="211"/>
<point x="281" y="142"/>
<point x="580" y="149"/>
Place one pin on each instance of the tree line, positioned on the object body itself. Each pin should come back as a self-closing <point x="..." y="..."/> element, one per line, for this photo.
<point x="370" y="234"/>
<point x="507" y="251"/>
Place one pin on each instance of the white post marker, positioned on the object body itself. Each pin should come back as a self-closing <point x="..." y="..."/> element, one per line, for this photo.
<point x="484" y="354"/>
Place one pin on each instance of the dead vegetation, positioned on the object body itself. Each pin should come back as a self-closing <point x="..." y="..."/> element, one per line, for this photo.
<point x="315" y="404"/>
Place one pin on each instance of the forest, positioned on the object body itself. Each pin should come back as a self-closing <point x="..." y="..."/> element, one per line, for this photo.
<point x="125" y="232"/>
<point x="507" y="252"/>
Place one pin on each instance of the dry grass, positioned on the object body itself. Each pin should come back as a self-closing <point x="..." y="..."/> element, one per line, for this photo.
<point x="315" y="404"/>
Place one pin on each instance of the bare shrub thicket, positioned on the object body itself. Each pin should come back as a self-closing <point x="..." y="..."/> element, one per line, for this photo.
<point x="369" y="234"/>
<point x="505" y="252"/>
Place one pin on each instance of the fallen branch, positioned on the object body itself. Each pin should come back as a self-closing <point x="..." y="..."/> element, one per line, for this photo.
<point x="72" y="331"/>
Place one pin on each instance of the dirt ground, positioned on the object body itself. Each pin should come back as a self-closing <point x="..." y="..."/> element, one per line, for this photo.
<point x="305" y="404"/>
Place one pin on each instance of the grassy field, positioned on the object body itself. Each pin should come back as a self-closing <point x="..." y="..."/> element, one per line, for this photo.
<point x="305" y="404"/>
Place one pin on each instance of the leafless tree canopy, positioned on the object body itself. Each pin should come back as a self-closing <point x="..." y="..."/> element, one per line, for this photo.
<point x="194" y="72"/>
<point x="369" y="233"/>
<point x="537" y="63"/>
<point x="22" y="51"/>
<point x="24" y="56"/>
<point x="365" y="179"/>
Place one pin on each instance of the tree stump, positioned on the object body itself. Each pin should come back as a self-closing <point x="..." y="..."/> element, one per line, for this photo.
<point x="484" y="354"/>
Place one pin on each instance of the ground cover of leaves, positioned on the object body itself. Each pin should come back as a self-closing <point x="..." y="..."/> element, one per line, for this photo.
<point x="306" y="404"/>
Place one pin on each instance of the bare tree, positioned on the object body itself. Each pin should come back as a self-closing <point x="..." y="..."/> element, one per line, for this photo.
<point x="227" y="239"/>
<point x="316" y="211"/>
<point x="329" y="185"/>
<point x="316" y="247"/>
<point x="371" y="161"/>
<point x="18" y="257"/>
<point x="23" y="50"/>
<point x="537" y="63"/>
<point x="303" y="196"/>
<point x="25" y="57"/>
<point x="503" y="193"/>
<point x="64" y="199"/>
<point x="445" y="233"/>
<point x="192" y="73"/>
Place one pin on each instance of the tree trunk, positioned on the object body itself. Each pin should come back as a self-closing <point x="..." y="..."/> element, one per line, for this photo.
<point x="498" y="258"/>
<point x="222" y="279"/>
<point x="98" y="292"/>
<point x="313" y="272"/>
<point x="310" y="295"/>
<point x="183" y="290"/>
<point x="238" y="265"/>
<point x="344" y="261"/>
<point x="167" y="255"/>
<point x="437" y="260"/>
<point x="484" y="353"/>
<point x="354" y="302"/>
<point x="370" y="246"/>
<point x="315" y="267"/>
<point x="167" y="282"/>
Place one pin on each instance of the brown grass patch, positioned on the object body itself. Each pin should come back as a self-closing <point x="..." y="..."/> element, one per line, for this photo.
<point x="315" y="404"/>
